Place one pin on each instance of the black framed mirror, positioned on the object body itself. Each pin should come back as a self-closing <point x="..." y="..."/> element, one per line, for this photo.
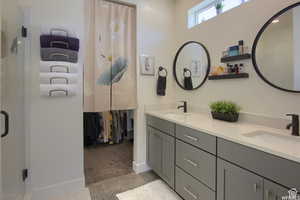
<point x="191" y="65"/>
<point x="276" y="50"/>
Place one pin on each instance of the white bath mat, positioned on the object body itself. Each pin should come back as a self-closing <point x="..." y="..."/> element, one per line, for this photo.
<point x="83" y="194"/>
<point x="157" y="190"/>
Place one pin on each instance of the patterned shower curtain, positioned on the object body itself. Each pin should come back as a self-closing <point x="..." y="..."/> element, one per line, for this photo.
<point x="110" y="64"/>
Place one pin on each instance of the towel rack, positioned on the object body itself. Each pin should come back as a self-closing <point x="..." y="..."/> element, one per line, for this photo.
<point x="52" y="55"/>
<point x="52" y="91"/>
<point x="57" y="78"/>
<point x="59" y="63"/>
<point x="59" y="30"/>
<point x="60" y="66"/>
<point x="52" y="43"/>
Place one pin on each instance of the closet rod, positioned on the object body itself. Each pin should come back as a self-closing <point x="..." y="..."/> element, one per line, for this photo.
<point x="121" y="3"/>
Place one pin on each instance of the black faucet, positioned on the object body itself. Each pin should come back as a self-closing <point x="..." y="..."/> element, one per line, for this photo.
<point x="294" y="124"/>
<point x="184" y="106"/>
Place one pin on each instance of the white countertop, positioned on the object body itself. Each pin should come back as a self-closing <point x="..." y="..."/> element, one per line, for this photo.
<point x="279" y="142"/>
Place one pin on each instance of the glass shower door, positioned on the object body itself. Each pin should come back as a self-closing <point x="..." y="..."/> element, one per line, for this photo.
<point x="12" y="101"/>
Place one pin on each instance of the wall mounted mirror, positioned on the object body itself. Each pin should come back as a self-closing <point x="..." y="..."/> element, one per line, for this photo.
<point x="276" y="50"/>
<point x="191" y="65"/>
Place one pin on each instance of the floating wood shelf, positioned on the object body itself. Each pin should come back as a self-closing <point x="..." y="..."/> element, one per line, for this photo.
<point x="228" y="76"/>
<point x="235" y="58"/>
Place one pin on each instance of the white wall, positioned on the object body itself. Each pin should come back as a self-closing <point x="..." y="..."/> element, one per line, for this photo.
<point x="155" y="25"/>
<point x="242" y="23"/>
<point x="55" y="124"/>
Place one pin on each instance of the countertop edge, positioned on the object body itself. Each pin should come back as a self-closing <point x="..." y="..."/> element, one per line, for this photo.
<point x="231" y="139"/>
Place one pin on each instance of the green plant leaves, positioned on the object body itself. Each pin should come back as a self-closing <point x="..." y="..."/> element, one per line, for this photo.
<point x="225" y="107"/>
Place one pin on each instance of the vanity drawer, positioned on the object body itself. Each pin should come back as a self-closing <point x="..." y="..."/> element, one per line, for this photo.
<point x="197" y="138"/>
<point x="162" y="125"/>
<point x="197" y="163"/>
<point x="280" y="170"/>
<point x="191" y="189"/>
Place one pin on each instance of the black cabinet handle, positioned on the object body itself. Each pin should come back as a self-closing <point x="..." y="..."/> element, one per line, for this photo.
<point x="6" y="118"/>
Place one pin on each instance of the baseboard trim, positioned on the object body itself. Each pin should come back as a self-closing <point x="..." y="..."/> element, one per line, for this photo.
<point x="59" y="189"/>
<point x="140" y="167"/>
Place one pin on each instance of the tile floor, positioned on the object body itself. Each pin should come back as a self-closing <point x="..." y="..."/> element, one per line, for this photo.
<point x="107" y="189"/>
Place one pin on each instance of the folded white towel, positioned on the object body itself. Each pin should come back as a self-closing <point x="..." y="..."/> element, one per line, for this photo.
<point x="59" y="30"/>
<point x="58" y="90"/>
<point x="58" y="67"/>
<point x="58" y="78"/>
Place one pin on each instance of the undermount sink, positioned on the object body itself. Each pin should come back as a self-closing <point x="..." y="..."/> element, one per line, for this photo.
<point x="273" y="139"/>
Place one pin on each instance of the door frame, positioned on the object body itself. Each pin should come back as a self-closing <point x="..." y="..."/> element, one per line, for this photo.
<point x="140" y="137"/>
<point x="1" y="194"/>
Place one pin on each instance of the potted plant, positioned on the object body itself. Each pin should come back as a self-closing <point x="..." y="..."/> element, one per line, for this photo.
<point x="219" y="7"/>
<point x="225" y="110"/>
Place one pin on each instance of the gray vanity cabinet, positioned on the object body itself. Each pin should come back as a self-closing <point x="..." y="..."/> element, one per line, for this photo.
<point x="235" y="183"/>
<point x="154" y="150"/>
<point x="160" y="154"/>
<point x="168" y="157"/>
<point x="274" y="191"/>
<point x="201" y="166"/>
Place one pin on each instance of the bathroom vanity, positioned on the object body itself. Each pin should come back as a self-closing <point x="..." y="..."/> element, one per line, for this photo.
<point x="202" y="158"/>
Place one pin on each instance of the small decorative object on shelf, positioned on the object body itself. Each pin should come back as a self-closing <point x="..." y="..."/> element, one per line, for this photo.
<point x="225" y="111"/>
<point x="229" y="72"/>
<point x="236" y="53"/>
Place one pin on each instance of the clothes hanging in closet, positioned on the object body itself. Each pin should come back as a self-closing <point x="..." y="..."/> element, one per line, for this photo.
<point x="108" y="127"/>
<point x="92" y="128"/>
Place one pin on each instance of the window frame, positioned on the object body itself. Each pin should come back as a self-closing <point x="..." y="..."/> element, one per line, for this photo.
<point x="194" y="12"/>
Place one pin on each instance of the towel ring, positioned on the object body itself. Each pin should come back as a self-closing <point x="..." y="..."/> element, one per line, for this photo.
<point x="185" y="70"/>
<point x="160" y="69"/>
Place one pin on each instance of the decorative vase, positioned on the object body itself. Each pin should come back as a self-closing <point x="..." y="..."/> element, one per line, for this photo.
<point x="229" y="117"/>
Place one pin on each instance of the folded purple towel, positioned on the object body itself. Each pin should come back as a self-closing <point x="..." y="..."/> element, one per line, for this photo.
<point x="62" y="42"/>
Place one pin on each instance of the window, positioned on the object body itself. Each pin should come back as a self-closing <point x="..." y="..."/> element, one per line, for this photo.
<point x="208" y="9"/>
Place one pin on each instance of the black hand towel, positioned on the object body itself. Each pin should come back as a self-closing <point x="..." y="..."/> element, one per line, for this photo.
<point x="161" y="85"/>
<point x="188" y="83"/>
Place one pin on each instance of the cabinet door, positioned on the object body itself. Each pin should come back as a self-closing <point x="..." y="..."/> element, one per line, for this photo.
<point x="154" y="150"/>
<point x="274" y="191"/>
<point x="168" y="160"/>
<point x="235" y="183"/>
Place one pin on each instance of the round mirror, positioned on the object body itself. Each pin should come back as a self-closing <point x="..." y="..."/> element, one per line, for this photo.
<point x="191" y="65"/>
<point x="276" y="50"/>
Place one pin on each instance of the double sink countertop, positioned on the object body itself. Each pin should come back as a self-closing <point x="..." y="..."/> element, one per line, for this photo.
<point x="277" y="142"/>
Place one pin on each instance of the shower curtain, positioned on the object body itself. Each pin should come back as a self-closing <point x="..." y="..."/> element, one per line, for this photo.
<point x="110" y="64"/>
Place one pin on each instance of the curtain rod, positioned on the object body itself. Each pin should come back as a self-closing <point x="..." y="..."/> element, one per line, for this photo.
<point x="121" y="3"/>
